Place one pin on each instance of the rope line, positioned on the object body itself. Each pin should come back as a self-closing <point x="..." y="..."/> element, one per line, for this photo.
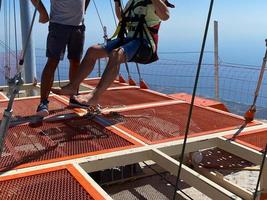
<point x="16" y="36"/>
<point x="99" y="17"/>
<point x="24" y="51"/>
<point x="250" y="114"/>
<point x="261" y="171"/>
<point x="113" y="13"/>
<point x="58" y="77"/>
<point x="193" y="97"/>
<point x="165" y="179"/>
<point x="5" y="32"/>
<point x="9" y="33"/>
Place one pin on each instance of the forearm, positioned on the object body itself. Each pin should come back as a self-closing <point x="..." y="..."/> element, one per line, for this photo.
<point x="39" y="5"/>
<point x="161" y="9"/>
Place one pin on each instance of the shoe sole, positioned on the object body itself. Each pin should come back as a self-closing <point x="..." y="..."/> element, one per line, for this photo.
<point x="78" y="105"/>
<point x="42" y="113"/>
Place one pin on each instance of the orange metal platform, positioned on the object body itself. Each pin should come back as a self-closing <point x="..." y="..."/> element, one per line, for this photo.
<point x="157" y="124"/>
<point x="94" y="82"/>
<point x="26" y="107"/>
<point x="32" y="143"/>
<point x="219" y="159"/>
<point x="2" y="96"/>
<point x="254" y="139"/>
<point x="122" y="97"/>
<point x="141" y="118"/>
<point x="53" y="142"/>
<point x="48" y="184"/>
<point x="200" y="101"/>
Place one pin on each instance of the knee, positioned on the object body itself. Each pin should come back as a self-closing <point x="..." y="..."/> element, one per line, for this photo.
<point x="74" y="63"/>
<point x="91" y="52"/>
<point x="117" y="56"/>
<point x="51" y="64"/>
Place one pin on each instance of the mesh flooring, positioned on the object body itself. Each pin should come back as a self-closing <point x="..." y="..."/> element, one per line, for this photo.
<point x="257" y="139"/>
<point x="25" y="144"/>
<point x="2" y="96"/>
<point x="159" y="123"/>
<point x="26" y="108"/>
<point x="53" y="185"/>
<point x="219" y="159"/>
<point x="94" y="82"/>
<point x="130" y="96"/>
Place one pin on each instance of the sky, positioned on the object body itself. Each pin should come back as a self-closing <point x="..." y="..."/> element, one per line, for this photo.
<point x="242" y="27"/>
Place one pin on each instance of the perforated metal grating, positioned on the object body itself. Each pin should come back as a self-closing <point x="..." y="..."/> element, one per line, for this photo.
<point x="26" y="144"/>
<point x="130" y="96"/>
<point x="55" y="185"/>
<point x="164" y="122"/>
<point x="257" y="139"/>
<point x="94" y="82"/>
<point x="2" y="96"/>
<point x="219" y="159"/>
<point x="25" y="108"/>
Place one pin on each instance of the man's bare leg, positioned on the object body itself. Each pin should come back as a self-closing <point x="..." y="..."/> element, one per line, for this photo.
<point x="86" y="67"/>
<point x="48" y="77"/>
<point x="74" y="66"/>
<point x="116" y="57"/>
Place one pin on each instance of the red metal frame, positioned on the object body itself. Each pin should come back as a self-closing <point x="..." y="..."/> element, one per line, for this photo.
<point x="251" y="134"/>
<point x="70" y="168"/>
<point x="181" y="137"/>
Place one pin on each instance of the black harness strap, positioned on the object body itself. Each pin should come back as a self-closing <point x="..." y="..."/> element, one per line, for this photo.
<point x="140" y="31"/>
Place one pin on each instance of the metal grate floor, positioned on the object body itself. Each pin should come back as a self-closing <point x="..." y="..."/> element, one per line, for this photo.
<point x="219" y="159"/>
<point x="130" y="96"/>
<point x="256" y="140"/>
<point x="52" y="185"/>
<point x="156" y="124"/>
<point x="58" y="141"/>
<point x="26" y="108"/>
<point x="2" y="96"/>
<point x="94" y="82"/>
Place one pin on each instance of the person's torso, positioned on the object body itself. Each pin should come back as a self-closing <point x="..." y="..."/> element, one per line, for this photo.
<point x="67" y="12"/>
<point x="151" y="18"/>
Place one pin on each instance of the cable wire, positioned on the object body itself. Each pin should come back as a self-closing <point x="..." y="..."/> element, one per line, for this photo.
<point x="9" y="35"/>
<point x="5" y="33"/>
<point x="165" y="179"/>
<point x="21" y="62"/>
<point x="193" y="96"/>
<point x="113" y="13"/>
<point x="261" y="171"/>
<point x="16" y="37"/>
<point x="99" y="17"/>
<point x="58" y="77"/>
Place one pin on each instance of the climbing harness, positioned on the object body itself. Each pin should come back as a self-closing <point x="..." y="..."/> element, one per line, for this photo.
<point x="181" y="160"/>
<point x="136" y="24"/>
<point x="147" y="34"/>
<point x="121" y="79"/>
<point x="250" y="114"/>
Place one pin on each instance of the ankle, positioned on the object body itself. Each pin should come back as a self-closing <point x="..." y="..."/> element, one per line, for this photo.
<point x="44" y="101"/>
